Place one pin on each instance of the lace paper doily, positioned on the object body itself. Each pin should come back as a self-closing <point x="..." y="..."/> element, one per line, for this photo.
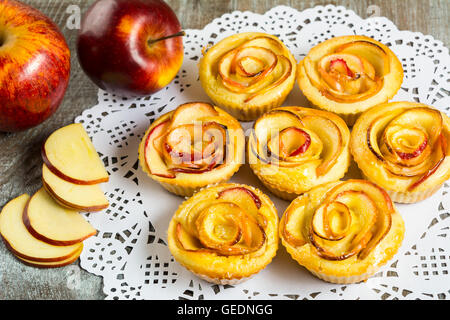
<point x="130" y="250"/>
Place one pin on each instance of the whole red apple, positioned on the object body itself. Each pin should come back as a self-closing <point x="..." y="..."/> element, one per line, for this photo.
<point x="34" y="66"/>
<point x="130" y="47"/>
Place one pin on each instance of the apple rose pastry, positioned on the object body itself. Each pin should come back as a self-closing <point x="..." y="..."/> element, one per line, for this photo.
<point x="350" y="74"/>
<point x="403" y="147"/>
<point x="191" y="147"/>
<point x="248" y="74"/>
<point x="343" y="231"/>
<point x="293" y="149"/>
<point x="225" y="233"/>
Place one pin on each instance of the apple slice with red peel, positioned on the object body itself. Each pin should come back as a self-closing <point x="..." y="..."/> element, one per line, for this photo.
<point x="331" y="137"/>
<point x="293" y="142"/>
<point x="432" y="170"/>
<point x="153" y="158"/>
<point x="69" y="153"/>
<point x="20" y="241"/>
<point x="245" y="199"/>
<point x="46" y="220"/>
<point x="88" y="198"/>
<point x="293" y="220"/>
<point x="371" y="52"/>
<point x="56" y="264"/>
<point x="189" y="112"/>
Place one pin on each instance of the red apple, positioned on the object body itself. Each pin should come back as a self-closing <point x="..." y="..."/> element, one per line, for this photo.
<point x="34" y="67"/>
<point x="130" y="47"/>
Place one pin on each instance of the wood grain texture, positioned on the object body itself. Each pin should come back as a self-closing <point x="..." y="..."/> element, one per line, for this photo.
<point x="20" y="161"/>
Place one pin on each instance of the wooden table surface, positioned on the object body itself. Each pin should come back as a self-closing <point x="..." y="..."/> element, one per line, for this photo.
<point x="20" y="161"/>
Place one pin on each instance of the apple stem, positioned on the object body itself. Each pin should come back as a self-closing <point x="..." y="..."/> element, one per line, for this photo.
<point x="178" y="34"/>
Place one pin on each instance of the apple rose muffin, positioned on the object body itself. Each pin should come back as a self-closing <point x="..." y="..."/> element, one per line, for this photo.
<point x="349" y="74"/>
<point x="293" y="149"/>
<point x="225" y="234"/>
<point x="404" y="148"/>
<point x="191" y="147"/>
<point x="248" y="74"/>
<point x="343" y="231"/>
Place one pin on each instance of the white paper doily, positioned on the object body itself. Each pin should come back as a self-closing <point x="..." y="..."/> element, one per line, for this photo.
<point x="130" y="250"/>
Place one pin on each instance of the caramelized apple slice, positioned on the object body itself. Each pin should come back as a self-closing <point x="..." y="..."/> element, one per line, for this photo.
<point x="225" y="228"/>
<point x="82" y="197"/>
<point x="245" y="199"/>
<point x="426" y="119"/>
<point x="153" y="158"/>
<point x="56" y="264"/>
<point x="286" y="66"/>
<point x="332" y="221"/>
<point x="228" y="66"/>
<point x="56" y="225"/>
<point x="331" y="233"/>
<point x="186" y="240"/>
<point x="22" y="243"/>
<point x="293" y="222"/>
<point x="69" y="153"/>
<point x="293" y="141"/>
<point x="331" y="138"/>
<point x="189" y="112"/>
<point x="371" y="52"/>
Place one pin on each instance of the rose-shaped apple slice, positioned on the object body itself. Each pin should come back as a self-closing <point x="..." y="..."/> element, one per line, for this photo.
<point x="195" y="148"/>
<point x="343" y="227"/>
<point x="241" y="83"/>
<point x="225" y="228"/>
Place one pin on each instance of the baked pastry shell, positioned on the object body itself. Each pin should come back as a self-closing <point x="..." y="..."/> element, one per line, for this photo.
<point x="232" y="102"/>
<point x="220" y="269"/>
<point x="186" y="184"/>
<point x="372" y="169"/>
<point x="350" y="111"/>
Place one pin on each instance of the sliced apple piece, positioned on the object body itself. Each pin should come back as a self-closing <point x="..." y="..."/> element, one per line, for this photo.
<point x="20" y="241"/>
<point x="189" y="112"/>
<point x="153" y="158"/>
<point x="82" y="197"/>
<point x="56" y="264"/>
<point x="69" y="153"/>
<point x="46" y="220"/>
<point x="293" y="142"/>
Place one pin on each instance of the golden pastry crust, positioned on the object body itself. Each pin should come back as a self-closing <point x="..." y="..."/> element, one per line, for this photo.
<point x="293" y="149"/>
<point x="404" y="147"/>
<point x="193" y="146"/>
<point x="248" y="74"/>
<point x="343" y="231"/>
<point x="225" y="233"/>
<point x="349" y="74"/>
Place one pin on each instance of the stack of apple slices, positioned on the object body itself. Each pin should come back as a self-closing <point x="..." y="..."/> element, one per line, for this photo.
<point x="72" y="170"/>
<point x="47" y="230"/>
<point x="41" y="233"/>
